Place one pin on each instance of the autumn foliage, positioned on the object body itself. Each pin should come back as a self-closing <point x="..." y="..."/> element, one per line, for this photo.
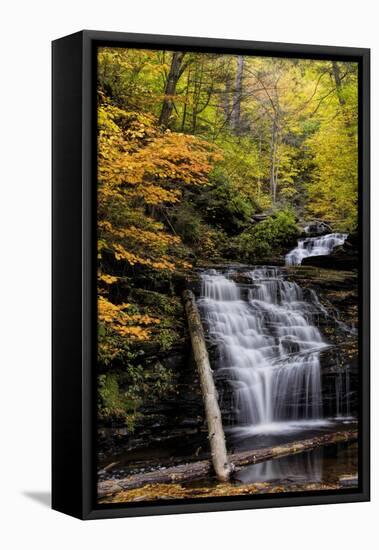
<point x="192" y="148"/>
<point x="141" y="170"/>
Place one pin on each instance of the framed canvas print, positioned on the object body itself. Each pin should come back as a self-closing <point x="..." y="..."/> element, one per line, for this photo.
<point x="210" y="274"/>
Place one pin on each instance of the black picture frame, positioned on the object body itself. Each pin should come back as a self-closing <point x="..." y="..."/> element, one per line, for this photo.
<point x="74" y="272"/>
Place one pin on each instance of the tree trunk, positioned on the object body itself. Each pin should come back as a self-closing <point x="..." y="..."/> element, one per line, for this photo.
<point x="203" y="468"/>
<point x="276" y="177"/>
<point x="212" y="410"/>
<point x="341" y="99"/>
<point x="337" y="80"/>
<point x="197" y="89"/>
<point x="186" y="101"/>
<point x="273" y="149"/>
<point x="170" y="88"/>
<point x="227" y="109"/>
<point x="259" y="166"/>
<point x="236" y="109"/>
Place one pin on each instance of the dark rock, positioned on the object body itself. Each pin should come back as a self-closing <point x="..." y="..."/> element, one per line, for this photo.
<point x="336" y="260"/>
<point x="316" y="228"/>
<point x="259" y="217"/>
<point x="349" y="481"/>
<point x="344" y="257"/>
<point x="337" y="292"/>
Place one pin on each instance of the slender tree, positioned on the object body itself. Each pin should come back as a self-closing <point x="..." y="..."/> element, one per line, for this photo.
<point x="236" y="108"/>
<point x="176" y="70"/>
<point x="338" y="82"/>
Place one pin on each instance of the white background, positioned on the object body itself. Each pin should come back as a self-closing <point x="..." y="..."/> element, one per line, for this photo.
<point x="26" y="31"/>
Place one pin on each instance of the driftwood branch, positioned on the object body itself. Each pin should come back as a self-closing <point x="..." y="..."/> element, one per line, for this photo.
<point x="203" y="468"/>
<point x="212" y="410"/>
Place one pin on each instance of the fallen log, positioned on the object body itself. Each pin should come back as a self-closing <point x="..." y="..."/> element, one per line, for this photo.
<point x="203" y="468"/>
<point x="216" y="434"/>
<point x="244" y="458"/>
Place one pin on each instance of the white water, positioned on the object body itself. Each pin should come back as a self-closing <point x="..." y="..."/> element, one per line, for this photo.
<point x="314" y="246"/>
<point x="268" y="349"/>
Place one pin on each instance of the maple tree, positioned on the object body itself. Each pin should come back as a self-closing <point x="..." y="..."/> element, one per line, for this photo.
<point x="141" y="170"/>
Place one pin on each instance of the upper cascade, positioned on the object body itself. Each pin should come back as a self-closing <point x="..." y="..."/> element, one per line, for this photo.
<point x="314" y="246"/>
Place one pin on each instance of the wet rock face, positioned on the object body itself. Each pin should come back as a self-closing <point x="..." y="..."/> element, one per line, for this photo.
<point x="344" y="257"/>
<point x="179" y="416"/>
<point x="338" y="293"/>
<point x="317" y="228"/>
<point x="337" y="260"/>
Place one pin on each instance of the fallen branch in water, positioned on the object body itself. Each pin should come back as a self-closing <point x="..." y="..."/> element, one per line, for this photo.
<point x="203" y="468"/>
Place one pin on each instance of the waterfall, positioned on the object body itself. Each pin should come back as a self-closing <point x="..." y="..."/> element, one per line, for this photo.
<point x="314" y="246"/>
<point x="267" y="345"/>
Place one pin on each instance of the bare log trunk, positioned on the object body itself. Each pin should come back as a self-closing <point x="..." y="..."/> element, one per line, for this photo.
<point x="244" y="458"/>
<point x="203" y="468"/>
<point x="212" y="410"/>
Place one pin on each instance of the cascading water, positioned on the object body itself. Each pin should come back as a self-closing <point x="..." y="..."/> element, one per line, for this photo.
<point x="314" y="246"/>
<point x="268" y="347"/>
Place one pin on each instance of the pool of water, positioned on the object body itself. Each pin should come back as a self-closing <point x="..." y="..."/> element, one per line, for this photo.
<point x="245" y="438"/>
<point x="323" y="465"/>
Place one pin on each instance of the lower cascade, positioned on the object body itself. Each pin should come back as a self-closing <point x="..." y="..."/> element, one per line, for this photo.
<point x="267" y="346"/>
<point x="314" y="246"/>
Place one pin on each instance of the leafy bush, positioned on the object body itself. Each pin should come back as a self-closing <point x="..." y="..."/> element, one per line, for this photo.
<point x="271" y="236"/>
<point x="187" y="223"/>
<point x="224" y="206"/>
<point x="130" y="373"/>
<point x="203" y="239"/>
<point x="116" y="404"/>
<point x="122" y="393"/>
